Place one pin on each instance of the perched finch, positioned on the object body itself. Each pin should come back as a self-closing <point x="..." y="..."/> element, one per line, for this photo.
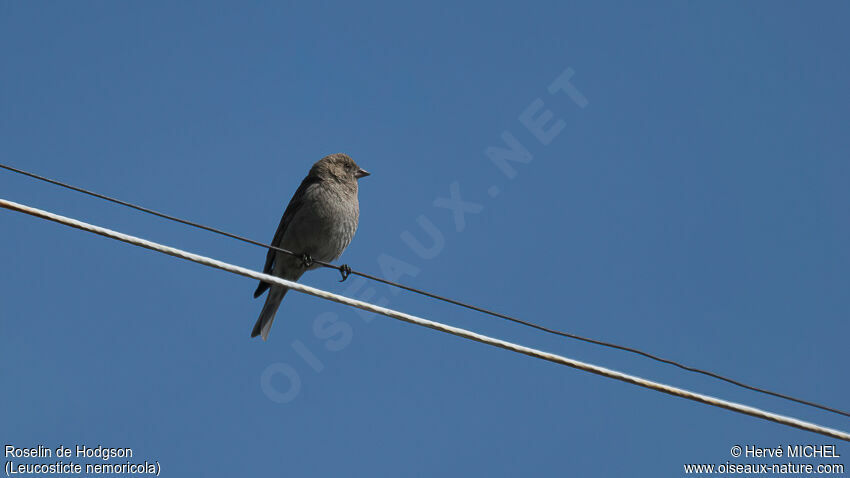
<point x="318" y="224"/>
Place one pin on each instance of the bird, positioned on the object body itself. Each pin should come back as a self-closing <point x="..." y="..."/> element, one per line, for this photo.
<point x="318" y="224"/>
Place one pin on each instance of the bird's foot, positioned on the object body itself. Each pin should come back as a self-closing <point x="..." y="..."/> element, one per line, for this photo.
<point x="306" y="260"/>
<point x="345" y="271"/>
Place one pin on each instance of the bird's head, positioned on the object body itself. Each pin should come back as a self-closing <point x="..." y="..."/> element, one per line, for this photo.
<point x="338" y="167"/>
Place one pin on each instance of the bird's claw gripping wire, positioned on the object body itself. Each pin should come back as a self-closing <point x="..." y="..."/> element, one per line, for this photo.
<point x="306" y="260"/>
<point x="345" y="271"/>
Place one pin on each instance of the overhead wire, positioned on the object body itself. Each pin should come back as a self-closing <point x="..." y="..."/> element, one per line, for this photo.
<point x="345" y="270"/>
<point x="576" y="364"/>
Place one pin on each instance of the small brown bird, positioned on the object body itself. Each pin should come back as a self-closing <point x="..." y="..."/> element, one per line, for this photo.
<point x="318" y="224"/>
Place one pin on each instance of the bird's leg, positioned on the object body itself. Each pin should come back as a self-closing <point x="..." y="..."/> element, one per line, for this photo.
<point x="345" y="271"/>
<point x="306" y="260"/>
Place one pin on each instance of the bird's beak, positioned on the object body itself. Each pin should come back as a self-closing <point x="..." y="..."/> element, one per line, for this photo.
<point x="361" y="173"/>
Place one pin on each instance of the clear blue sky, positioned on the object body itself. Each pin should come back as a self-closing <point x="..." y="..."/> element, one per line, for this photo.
<point x="696" y="207"/>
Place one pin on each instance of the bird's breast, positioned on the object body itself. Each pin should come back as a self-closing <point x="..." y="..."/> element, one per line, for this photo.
<point x="327" y="224"/>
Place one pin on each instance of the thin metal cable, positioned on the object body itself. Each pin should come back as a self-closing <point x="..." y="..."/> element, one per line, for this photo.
<point x="605" y="372"/>
<point x="156" y="213"/>
<point x="438" y="297"/>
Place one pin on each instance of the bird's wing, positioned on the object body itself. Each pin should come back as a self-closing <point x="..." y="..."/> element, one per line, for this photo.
<point x="291" y="210"/>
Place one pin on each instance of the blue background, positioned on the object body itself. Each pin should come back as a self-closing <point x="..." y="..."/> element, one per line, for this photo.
<point x="697" y="208"/>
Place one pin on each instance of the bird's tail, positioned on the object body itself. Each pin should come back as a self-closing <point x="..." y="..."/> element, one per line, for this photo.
<point x="264" y="322"/>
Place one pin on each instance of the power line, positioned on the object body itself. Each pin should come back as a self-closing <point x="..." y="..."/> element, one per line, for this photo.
<point x="605" y="372"/>
<point x="345" y="270"/>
